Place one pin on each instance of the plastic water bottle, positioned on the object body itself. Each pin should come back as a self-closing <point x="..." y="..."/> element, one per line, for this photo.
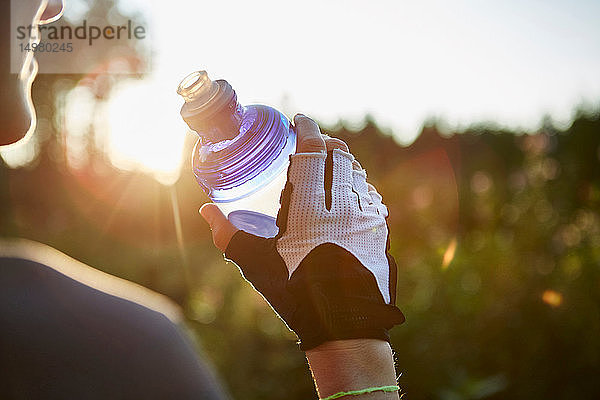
<point x="242" y="155"/>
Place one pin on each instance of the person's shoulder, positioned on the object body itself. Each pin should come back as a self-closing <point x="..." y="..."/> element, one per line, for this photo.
<point x="49" y="257"/>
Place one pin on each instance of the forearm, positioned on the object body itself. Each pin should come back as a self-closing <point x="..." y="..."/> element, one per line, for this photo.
<point x="345" y="365"/>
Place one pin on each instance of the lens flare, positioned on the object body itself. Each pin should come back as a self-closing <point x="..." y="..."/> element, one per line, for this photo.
<point x="449" y="254"/>
<point x="552" y="298"/>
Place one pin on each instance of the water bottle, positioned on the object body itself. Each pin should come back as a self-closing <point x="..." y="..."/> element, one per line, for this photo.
<point x="242" y="154"/>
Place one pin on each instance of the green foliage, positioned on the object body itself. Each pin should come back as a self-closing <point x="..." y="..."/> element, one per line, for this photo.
<point x="496" y="234"/>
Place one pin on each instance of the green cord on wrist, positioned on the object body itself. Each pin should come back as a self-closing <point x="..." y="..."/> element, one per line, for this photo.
<point x="393" y="388"/>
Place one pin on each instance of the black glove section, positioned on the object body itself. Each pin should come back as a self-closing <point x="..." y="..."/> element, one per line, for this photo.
<point x="330" y="296"/>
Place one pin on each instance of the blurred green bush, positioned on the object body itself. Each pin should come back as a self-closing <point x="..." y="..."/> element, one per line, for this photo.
<point x="496" y="234"/>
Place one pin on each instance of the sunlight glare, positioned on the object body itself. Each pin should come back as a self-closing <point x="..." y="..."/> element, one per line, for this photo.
<point x="80" y="107"/>
<point x="145" y="130"/>
<point x="449" y="254"/>
<point x="20" y="155"/>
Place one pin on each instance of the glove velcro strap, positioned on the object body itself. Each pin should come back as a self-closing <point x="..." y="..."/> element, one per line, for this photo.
<point x="337" y="298"/>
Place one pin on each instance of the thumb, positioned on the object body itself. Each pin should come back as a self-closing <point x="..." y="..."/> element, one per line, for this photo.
<point x="222" y="229"/>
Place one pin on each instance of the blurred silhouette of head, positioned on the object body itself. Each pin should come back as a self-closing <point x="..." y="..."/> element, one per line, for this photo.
<point x="16" y="108"/>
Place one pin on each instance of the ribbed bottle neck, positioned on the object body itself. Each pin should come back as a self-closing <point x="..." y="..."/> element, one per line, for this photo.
<point x="219" y="169"/>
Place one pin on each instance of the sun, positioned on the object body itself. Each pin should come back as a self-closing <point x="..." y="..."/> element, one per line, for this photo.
<point x="144" y="130"/>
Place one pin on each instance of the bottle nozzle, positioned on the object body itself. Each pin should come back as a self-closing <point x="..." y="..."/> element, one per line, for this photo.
<point x="211" y="108"/>
<point x="197" y="86"/>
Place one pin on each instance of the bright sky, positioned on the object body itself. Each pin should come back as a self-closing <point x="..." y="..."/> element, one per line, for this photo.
<point x="465" y="61"/>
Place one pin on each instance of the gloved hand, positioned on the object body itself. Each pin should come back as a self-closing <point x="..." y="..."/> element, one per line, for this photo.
<point x="327" y="273"/>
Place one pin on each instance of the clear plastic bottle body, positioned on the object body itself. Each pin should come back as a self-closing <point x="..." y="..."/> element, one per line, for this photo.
<point x="242" y="155"/>
<point x="245" y="175"/>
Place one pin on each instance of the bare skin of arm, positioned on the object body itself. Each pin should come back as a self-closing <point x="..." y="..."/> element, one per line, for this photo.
<point x="344" y="365"/>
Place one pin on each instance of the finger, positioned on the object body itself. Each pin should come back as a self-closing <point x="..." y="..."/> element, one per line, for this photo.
<point x="335" y="143"/>
<point x="341" y="164"/>
<point x="359" y="183"/>
<point x="373" y="200"/>
<point x="309" y="135"/>
<point x="222" y="229"/>
<point x="378" y="201"/>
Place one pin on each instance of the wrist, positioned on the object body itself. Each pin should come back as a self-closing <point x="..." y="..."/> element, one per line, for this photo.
<point x="355" y="364"/>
